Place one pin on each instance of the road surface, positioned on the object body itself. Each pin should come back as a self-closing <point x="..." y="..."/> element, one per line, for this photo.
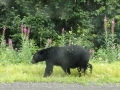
<point x="56" y="86"/>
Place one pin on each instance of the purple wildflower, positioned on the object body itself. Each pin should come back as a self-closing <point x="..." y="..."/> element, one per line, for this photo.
<point x="91" y="51"/>
<point x="105" y="25"/>
<point x="105" y="19"/>
<point x="3" y="34"/>
<point x="63" y="30"/>
<point x="28" y="33"/>
<point x="10" y="43"/>
<point x="25" y="30"/>
<point x="22" y="27"/>
<point x="50" y="41"/>
<point x="112" y="27"/>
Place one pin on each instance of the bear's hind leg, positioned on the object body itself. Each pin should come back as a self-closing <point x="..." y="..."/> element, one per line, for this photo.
<point x="66" y="70"/>
<point x="90" y="66"/>
<point x="79" y="70"/>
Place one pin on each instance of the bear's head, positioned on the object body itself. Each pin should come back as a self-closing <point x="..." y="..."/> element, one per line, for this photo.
<point x="37" y="57"/>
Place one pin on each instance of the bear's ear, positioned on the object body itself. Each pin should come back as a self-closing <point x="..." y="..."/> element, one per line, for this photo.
<point x="40" y="52"/>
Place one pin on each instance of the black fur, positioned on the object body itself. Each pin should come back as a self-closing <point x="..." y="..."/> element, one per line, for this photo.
<point x="67" y="57"/>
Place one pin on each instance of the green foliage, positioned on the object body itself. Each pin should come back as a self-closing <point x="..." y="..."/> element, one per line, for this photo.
<point x="82" y="21"/>
<point x="66" y="38"/>
<point x="45" y="17"/>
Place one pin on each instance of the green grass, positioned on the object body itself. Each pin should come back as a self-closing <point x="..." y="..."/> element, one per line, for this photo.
<point x="102" y="73"/>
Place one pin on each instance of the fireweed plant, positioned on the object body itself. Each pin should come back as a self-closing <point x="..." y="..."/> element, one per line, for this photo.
<point x="6" y="50"/>
<point x="25" y="50"/>
<point x="110" y="52"/>
<point x="8" y="54"/>
<point x="63" y="39"/>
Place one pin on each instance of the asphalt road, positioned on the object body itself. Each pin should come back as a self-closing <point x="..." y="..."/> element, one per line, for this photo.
<point x="57" y="86"/>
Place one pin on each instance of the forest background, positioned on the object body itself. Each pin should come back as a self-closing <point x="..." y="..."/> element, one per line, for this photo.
<point x="93" y="24"/>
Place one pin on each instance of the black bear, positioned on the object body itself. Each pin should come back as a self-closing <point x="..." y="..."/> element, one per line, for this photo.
<point x="67" y="57"/>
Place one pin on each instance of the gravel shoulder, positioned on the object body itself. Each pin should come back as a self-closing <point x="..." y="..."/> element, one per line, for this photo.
<point x="57" y="86"/>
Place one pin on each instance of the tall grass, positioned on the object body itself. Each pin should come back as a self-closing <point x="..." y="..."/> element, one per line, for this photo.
<point x="102" y="73"/>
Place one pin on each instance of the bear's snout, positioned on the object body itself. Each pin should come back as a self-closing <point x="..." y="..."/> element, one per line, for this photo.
<point x="33" y="61"/>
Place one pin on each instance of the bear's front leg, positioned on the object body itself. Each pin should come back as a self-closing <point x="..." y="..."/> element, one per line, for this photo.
<point x="68" y="71"/>
<point x="48" y="69"/>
